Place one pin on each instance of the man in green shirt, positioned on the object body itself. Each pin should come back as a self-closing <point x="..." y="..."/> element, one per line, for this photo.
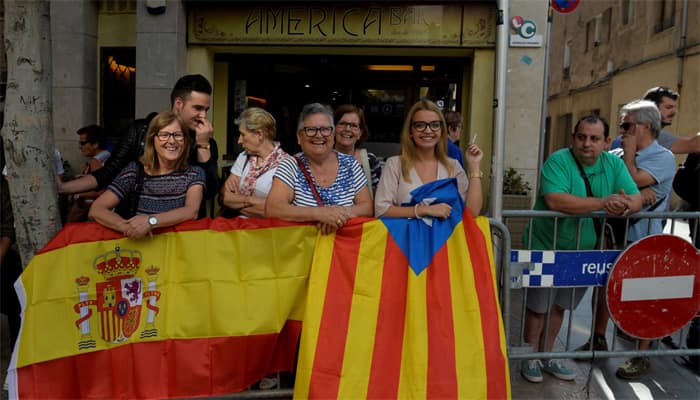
<point x="563" y="188"/>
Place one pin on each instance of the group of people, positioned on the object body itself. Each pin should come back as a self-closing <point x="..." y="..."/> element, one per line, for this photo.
<point x="634" y="174"/>
<point x="162" y="170"/>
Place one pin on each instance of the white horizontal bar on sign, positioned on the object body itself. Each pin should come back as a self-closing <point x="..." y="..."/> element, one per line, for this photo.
<point x="658" y="288"/>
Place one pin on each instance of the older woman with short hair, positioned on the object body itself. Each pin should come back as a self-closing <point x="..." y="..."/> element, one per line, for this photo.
<point x="170" y="190"/>
<point x="351" y="133"/>
<point x="319" y="184"/>
<point x="246" y="189"/>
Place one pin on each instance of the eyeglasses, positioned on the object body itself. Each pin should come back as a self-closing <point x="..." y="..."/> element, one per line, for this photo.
<point x="421" y="126"/>
<point x="348" y="125"/>
<point x="163" y="136"/>
<point x="311" y="131"/>
<point x="83" y="142"/>
<point x="625" y="126"/>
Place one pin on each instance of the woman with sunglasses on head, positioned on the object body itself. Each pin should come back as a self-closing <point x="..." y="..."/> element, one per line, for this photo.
<point x="171" y="190"/>
<point x="318" y="184"/>
<point x="423" y="160"/>
<point x="351" y="132"/>
<point x="251" y="176"/>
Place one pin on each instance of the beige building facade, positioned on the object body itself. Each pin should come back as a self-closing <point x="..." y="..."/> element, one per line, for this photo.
<point x="116" y="60"/>
<point x="609" y="52"/>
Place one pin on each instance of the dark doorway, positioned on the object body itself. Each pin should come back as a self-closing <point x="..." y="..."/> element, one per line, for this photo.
<point x="118" y="90"/>
<point x="384" y="87"/>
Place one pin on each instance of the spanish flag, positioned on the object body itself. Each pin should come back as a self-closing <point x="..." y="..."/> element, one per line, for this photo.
<point x="405" y="308"/>
<point x="205" y="308"/>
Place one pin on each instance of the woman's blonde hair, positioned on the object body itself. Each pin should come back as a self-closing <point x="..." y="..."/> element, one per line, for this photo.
<point x="149" y="159"/>
<point x="408" y="147"/>
<point x="254" y="119"/>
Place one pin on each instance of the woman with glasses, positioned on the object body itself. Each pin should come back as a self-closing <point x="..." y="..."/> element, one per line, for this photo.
<point x="350" y="133"/>
<point x="423" y="160"/>
<point x="318" y="184"/>
<point x="246" y="188"/>
<point x="164" y="188"/>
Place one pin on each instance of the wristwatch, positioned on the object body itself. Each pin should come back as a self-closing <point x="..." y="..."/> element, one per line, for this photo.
<point x="475" y="174"/>
<point x="152" y="221"/>
<point x="203" y="146"/>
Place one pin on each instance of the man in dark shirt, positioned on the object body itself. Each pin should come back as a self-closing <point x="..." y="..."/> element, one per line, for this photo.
<point x="190" y="99"/>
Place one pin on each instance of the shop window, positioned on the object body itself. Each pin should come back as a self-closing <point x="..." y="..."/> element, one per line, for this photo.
<point x="385" y="87"/>
<point x="118" y="90"/>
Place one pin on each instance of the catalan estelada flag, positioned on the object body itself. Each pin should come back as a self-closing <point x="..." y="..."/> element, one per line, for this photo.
<point x="203" y="309"/>
<point x="386" y="318"/>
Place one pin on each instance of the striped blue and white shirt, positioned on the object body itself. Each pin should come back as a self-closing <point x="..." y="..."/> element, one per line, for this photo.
<point x="349" y="181"/>
<point x="160" y="193"/>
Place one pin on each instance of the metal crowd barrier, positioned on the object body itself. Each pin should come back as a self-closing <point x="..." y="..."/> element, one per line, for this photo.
<point x="501" y="236"/>
<point x="517" y="348"/>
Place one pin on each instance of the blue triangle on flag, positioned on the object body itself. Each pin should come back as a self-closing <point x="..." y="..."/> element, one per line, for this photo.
<point x="417" y="240"/>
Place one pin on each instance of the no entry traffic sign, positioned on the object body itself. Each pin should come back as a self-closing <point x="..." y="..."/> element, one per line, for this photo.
<point x="654" y="286"/>
<point x="565" y="6"/>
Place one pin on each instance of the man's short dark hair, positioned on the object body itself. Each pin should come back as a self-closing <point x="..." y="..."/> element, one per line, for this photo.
<point x="593" y="119"/>
<point x="93" y="134"/>
<point x="657" y="93"/>
<point x="188" y="84"/>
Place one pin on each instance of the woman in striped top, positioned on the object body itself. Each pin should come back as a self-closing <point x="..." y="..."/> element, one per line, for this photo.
<point x="171" y="190"/>
<point x="318" y="184"/>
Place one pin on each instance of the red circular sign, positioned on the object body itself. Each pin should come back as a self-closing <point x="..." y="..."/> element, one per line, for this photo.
<point x="653" y="288"/>
<point x="565" y="6"/>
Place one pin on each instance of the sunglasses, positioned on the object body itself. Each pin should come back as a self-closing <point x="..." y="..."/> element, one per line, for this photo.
<point x="625" y="126"/>
<point x="83" y="142"/>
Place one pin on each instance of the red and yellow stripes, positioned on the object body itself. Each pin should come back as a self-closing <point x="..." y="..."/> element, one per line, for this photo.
<point x="374" y="329"/>
<point x="162" y="369"/>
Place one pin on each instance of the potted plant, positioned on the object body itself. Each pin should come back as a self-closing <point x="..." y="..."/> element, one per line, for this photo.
<point x="514" y="183"/>
<point x="516" y="196"/>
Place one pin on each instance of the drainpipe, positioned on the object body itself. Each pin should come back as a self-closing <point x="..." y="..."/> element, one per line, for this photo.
<point x="684" y="38"/>
<point x="499" y="114"/>
<point x="545" y="90"/>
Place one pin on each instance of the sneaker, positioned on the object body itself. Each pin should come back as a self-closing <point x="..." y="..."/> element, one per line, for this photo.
<point x="530" y="370"/>
<point x="599" y="344"/>
<point x="634" y="368"/>
<point x="556" y="368"/>
<point x="268" y="383"/>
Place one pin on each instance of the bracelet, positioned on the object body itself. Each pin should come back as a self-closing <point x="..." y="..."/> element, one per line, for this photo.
<point x="415" y="211"/>
<point x="477" y="174"/>
<point x="203" y="146"/>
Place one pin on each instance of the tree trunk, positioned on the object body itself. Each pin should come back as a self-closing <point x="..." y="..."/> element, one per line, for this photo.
<point x="28" y="129"/>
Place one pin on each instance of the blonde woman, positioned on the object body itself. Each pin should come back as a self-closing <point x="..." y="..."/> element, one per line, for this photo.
<point x="245" y="190"/>
<point x="423" y="160"/>
<point x="166" y="190"/>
